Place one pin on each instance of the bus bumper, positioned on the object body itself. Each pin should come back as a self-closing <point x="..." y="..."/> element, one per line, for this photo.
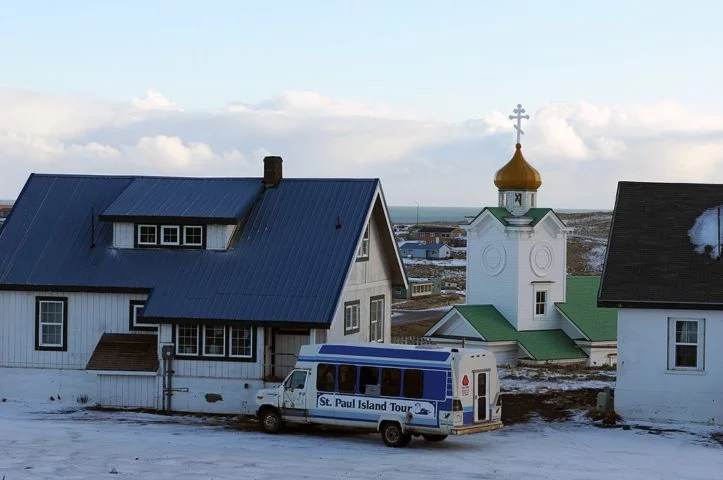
<point x="483" y="427"/>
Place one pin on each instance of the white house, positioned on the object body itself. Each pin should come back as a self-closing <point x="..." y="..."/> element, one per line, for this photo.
<point x="428" y="251"/>
<point x="664" y="274"/>
<point x="518" y="300"/>
<point x="186" y="294"/>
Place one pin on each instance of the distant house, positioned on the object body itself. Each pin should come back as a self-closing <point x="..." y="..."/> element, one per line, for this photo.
<point x="418" y="287"/>
<point x="664" y="274"/>
<point x="431" y="251"/>
<point x="437" y="234"/>
<point x="187" y="294"/>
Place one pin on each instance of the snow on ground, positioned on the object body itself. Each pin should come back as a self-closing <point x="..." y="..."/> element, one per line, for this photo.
<point x="537" y="379"/>
<point x="38" y="441"/>
<point x="450" y="262"/>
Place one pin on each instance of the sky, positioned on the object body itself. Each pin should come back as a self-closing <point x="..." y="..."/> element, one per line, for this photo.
<point x="416" y="93"/>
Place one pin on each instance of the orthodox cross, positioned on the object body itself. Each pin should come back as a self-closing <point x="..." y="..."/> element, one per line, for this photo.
<point x="519" y="111"/>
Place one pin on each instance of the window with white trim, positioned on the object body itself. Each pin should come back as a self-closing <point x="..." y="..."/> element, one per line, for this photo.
<point x="686" y="344"/>
<point x="351" y="317"/>
<point x="51" y="323"/>
<point x="540" y="303"/>
<point x="364" y="247"/>
<point x="214" y="341"/>
<point x="193" y="236"/>
<point x="187" y="339"/>
<point x="136" y="317"/>
<point x="376" y="319"/>
<point x="170" y="235"/>
<point x="242" y="344"/>
<point x="147" y="235"/>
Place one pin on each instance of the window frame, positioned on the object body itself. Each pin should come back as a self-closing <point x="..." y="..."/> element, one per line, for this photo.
<point x="351" y="329"/>
<point x="362" y="254"/>
<point x="163" y="229"/>
<point x="381" y="300"/>
<point x="230" y="342"/>
<point x="139" y="228"/>
<point x="673" y="344"/>
<point x="185" y="233"/>
<point x="223" y="341"/>
<point x="177" y="336"/>
<point x="544" y="303"/>
<point x="134" y="325"/>
<point x="63" y="346"/>
<point x="200" y="351"/>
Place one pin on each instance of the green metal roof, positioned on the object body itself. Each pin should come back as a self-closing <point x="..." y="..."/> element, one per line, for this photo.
<point x="598" y="324"/>
<point x="541" y="344"/>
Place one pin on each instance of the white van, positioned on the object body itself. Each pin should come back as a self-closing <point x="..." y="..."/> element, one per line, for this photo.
<point x="398" y="390"/>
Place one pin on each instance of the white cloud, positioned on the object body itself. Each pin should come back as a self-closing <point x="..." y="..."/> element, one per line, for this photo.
<point x="581" y="149"/>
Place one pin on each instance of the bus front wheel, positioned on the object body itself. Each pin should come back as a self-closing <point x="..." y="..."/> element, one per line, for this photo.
<point x="394" y="436"/>
<point x="270" y="420"/>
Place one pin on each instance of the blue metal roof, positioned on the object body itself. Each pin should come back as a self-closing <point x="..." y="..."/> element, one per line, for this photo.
<point x="206" y="200"/>
<point x="288" y="264"/>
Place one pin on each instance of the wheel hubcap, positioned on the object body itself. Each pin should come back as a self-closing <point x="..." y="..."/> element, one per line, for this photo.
<point x="392" y="435"/>
<point x="270" y="421"/>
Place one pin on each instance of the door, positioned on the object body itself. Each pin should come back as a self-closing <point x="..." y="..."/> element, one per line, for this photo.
<point x="294" y="404"/>
<point x="481" y="396"/>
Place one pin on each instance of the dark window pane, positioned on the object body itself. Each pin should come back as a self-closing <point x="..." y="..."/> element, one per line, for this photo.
<point x="347" y="378"/>
<point x="369" y="377"/>
<point x="413" y="383"/>
<point x="686" y="356"/>
<point x="391" y="382"/>
<point x="686" y="332"/>
<point x="325" y="377"/>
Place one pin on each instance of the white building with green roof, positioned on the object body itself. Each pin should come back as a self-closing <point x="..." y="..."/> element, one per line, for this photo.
<point x="521" y="304"/>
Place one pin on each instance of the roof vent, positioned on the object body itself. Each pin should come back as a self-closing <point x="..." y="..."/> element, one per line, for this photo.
<point x="272" y="171"/>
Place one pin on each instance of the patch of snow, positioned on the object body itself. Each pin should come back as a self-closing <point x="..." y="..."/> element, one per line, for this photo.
<point x="42" y="442"/>
<point x="706" y="232"/>
<point x="529" y="380"/>
<point x="596" y="257"/>
<point x="450" y="262"/>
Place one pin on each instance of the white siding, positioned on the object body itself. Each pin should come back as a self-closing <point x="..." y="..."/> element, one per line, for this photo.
<point x="219" y="236"/>
<point x="129" y="391"/>
<point x="89" y="316"/>
<point x="647" y="390"/>
<point x="123" y="235"/>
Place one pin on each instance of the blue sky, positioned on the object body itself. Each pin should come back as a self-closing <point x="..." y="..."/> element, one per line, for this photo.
<point x="444" y="59"/>
<point x="401" y="90"/>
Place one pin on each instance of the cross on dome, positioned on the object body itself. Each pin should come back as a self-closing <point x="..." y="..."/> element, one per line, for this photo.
<point x="519" y="111"/>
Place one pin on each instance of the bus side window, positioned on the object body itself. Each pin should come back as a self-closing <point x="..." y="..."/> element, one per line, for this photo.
<point x="413" y="383"/>
<point x="325" y="377"/>
<point x="369" y="380"/>
<point x="391" y="382"/>
<point x="347" y="378"/>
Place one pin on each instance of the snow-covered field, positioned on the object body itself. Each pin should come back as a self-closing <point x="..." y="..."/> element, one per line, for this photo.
<point x="40" y="441"/>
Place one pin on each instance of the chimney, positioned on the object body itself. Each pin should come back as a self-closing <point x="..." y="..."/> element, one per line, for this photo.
<point x="272" y="171"/>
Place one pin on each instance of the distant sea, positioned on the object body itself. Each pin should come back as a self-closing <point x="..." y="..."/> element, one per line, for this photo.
<point x="423" y="214"/>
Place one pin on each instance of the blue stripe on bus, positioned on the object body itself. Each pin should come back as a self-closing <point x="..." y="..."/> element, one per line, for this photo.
<point x="366" y="417"/>
<point x="400" y="353"/>
<point x="371" y="362"/>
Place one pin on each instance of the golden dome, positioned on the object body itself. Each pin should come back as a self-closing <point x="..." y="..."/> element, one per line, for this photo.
<point x="517" y="174"/>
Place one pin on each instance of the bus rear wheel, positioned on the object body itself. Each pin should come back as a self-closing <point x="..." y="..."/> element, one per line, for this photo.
<point x="270" y="420"/>
<point x="393" y="435"/>
<point x="433" y="438"/>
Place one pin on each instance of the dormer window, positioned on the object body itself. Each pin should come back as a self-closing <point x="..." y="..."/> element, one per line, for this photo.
<point x="193" y="236"/>
<point x="170" y="235"/>
<point x="363" y="253"/>
<point x="147" y="235"/>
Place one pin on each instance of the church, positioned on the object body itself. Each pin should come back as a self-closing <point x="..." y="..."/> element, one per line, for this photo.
<point x="521" y="304"/>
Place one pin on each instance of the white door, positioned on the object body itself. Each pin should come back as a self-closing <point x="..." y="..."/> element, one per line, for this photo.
<point x="295" y="394"/>
<point x="481" y="396"/>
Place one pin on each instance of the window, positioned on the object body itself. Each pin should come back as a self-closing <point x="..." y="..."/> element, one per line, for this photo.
<point x="364" y="247"/>
<point x="351" y="317"/>
<point x="347" y="378"/>
<point x="325" y="377"/>
<point x="686" y="344"/>
<point x="391" y="382"/>
<point x="241" y="342"/>
<point x="376" y="319"/>
<point x="413" y="383"/>
<point x="170" y="235"/>
<point x="147" y="235"/>
<point x="51" y="323"/>
<point x="540" y="303"/>
<point x="193" y="236"/>
<point x="135" y="320"/>
<point x="369" y="380"/>
<point x="187" y="339"/>
<point x="296" y="380"/>
<point x="214" y="341"/>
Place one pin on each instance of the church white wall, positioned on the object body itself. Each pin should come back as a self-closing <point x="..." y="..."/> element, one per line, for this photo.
<point x="647" y="390"/>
